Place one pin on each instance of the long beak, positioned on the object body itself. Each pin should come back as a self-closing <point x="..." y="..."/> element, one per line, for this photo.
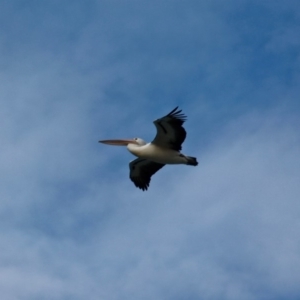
<point x="118" y="142"/>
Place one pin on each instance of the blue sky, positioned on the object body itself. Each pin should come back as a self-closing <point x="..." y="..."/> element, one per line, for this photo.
<point x="73" y="226"/>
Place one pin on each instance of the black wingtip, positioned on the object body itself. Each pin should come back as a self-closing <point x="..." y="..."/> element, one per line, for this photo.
<point x="142" y="187"/>
<point x="174" y="110"/>
<point x="139" y="183"/>
<point x="176" y="114"/>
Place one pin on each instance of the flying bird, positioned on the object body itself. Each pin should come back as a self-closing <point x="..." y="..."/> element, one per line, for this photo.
<point x="164" y="149"/>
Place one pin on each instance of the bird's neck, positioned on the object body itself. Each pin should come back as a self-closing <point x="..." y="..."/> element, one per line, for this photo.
<point x="134" y="149"/>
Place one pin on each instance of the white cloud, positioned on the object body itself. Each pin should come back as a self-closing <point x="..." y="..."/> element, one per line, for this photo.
<point x="228" y="228"/>
<point x="72" y="223"/>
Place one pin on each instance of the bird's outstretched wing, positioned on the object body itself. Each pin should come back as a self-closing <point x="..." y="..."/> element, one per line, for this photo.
<point x="170" y="133"/>
<point x="141" y="171"/>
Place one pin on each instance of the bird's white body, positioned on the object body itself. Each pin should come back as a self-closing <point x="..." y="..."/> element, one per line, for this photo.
<point x="157" y="154"/>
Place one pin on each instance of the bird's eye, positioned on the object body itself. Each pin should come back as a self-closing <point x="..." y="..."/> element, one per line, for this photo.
<point x="135" y="139"/>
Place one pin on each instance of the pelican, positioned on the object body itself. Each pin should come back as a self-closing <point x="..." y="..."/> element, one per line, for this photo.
<point x="164" y="149"/>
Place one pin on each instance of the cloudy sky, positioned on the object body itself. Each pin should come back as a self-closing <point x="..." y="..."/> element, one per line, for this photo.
<point x="73" y="226"/>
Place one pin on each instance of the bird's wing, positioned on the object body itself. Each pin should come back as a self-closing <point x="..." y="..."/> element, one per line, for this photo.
<point x="170" y="133"/>
<point x="141" y="171"/>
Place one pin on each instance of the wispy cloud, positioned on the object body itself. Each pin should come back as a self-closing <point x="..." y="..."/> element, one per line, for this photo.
<point x="73" y="226"/>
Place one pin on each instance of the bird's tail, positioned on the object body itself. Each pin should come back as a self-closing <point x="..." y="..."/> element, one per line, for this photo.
<point x="191" y="161"/>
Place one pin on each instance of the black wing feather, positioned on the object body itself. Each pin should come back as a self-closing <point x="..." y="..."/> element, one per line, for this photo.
<point x="170" y="132"/>
<point x="141" y="171"/>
